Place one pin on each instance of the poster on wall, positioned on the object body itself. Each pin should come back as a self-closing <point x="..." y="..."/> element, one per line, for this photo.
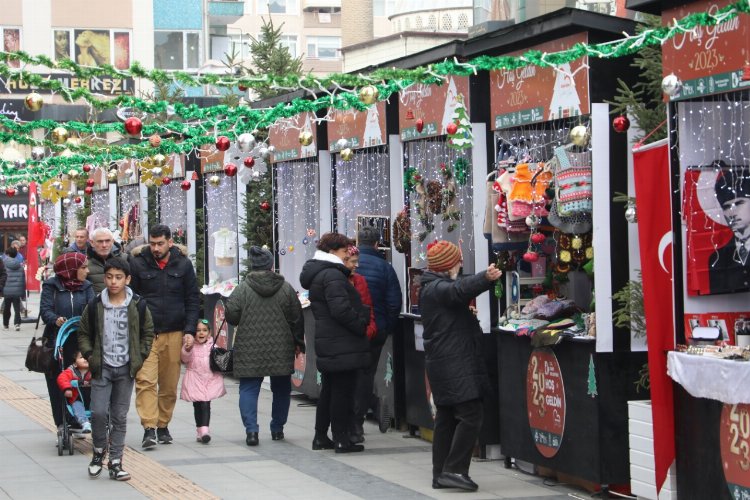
<point x="707" y="59"/>
<point x="430" y="107"/>
<point x="533" y="94"/>
<point x="360" y="129"/>
<point x="545" y="401"/>
<point x="723" y="325"/>
<point x="734" y="436"/>
<point x="284" y="136"/>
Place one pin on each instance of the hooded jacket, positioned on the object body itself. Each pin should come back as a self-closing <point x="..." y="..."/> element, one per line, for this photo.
<point x="171" y="293"/>
<point x="385" y="289"/>
<point x="66" y="378"/>
<point x="96" y="265"/>
<point x="268" y="316"/>
<point x="56" y="301"/>
<point x="341" y="319"/>
<point x="15" y="285"/>
<point x="453" y="338"/>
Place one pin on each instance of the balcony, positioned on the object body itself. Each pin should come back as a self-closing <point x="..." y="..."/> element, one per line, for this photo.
<point x="317" y="19"/>
<point x="327" y="5"/>
<point x="223" y="12"/>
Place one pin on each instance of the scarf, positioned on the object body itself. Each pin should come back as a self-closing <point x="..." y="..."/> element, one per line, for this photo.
<point x="66" y="269"/>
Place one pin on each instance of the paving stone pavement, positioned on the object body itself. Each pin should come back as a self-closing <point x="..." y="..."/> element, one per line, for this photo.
<point x="393" y="466"/>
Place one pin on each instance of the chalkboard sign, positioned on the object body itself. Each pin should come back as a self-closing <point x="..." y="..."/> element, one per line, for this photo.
<point x="382" y="223"/>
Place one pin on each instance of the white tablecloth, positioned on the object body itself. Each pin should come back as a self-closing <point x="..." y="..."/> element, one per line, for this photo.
<point x="705" y="377"/>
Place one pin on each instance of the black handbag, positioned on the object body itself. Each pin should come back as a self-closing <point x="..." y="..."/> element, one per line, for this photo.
<point x="221" y="360"/>
<point x="38" y="356"/>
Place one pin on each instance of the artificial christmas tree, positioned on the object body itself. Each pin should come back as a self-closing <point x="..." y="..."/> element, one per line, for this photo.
<point x="462" y="138"/>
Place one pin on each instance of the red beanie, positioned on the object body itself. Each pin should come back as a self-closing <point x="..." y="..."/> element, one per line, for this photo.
<point x="442" y="256"/>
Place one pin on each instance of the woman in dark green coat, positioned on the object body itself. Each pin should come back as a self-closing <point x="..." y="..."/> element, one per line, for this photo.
<point x="270" y="331"/>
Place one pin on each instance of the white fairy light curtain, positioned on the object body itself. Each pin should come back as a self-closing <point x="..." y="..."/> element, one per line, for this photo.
<point x="362" y="188"/>
<point x="100" y="205"/>
<point x="298" y="216"/>
<point x="221" y="222"/>
<point x="173" y="210"/>
<point x="129" y="215"/>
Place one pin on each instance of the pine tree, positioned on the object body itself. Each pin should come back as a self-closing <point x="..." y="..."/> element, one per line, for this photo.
<point x="463" y="138"/>
<point x="592" y="379"/>
<point x="269" y="57"/>
<point x="257" y="224"/>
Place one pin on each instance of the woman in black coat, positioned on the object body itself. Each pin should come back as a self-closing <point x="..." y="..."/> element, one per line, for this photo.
<point x="15" y="287"/>
<point x="64" y="296"/>
<point x="341" y="344"/>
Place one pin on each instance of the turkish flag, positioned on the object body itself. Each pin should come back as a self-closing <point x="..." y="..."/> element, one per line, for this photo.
<point x="654" y="202"/>
<point x="35" y="239"/>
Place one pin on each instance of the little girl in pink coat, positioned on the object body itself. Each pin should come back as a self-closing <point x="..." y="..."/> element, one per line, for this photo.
<point x="200" y="385"/>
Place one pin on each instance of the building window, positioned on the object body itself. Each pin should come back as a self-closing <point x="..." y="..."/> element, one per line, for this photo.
<point x="323" y="47"/>
<point x="463" y="22"/>
<point x="432" y="23"/>
<point x="277" y="7"/>
<point x="11" y="43"/>
<point x="398" y="24"/>
<point x="290" y="42"/>
<point x="407" y="24"/>
<point x="419" y="23"/>
<point x="92" y="47"/>
<point x="446" y="23"/>
<point x="177" y="50"/>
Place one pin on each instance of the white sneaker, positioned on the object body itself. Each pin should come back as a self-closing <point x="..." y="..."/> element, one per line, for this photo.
<point x="5" y="328"/>
<point x="86" y="428"/>
<point x="18" y="328"/>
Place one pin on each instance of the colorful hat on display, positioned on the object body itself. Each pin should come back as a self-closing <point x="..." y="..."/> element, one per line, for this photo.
<point x="442" y="256"/>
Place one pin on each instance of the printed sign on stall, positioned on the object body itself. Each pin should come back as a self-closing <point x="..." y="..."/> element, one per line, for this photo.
<point x="534" y="94"/>
<point x="707" y="59"/>
<point x="432" y="104"/>
<point x="734" y="434"/>
<point x="360" y="129"/>
<point x="284" y="134"/>
<point x="545" y="401"/>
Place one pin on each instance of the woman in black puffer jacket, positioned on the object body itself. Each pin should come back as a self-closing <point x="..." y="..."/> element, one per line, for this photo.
<point x="341" y="344"/>
<point x="15" y="287"/>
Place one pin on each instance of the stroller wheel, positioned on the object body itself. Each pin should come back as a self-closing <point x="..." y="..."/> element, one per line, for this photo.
<point x="70" y="444"/>
<point x="59" y="444"/>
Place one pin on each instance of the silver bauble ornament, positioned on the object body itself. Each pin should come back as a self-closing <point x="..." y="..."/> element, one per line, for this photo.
<point x="20" y="164"/>
<point x="342" y="144"/>
<point x="128" y="172"/>
<point x="156" y="171"/>
<point x="631" y="213"/>
<point x="37" y="153"/>
<point x="671" y="85"/>
<point x="264" y="154"/>
<point x="271" y="149"/>
<point x="148" y="182"/>
<point x="347" y="154"/>
<point x="66" y="202"/>
<point x="532" y="220"/>
<point x="214" y="180"/>
<point x="245" y="142"/>
<point x="24" y="189"/>
<point x="579" y="135"/>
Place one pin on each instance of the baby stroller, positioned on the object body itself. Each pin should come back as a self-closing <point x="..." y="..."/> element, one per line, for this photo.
<point x="65" y="435"/>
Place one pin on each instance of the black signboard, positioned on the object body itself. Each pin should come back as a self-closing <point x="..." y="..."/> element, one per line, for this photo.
<point x="14" y="208"/>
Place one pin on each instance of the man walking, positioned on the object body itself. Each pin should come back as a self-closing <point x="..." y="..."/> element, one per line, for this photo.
<point x="385" y="291"/>
<point x="102" y="248"/>
<point x="164" y="276"/>
<point x="80" y="241"/>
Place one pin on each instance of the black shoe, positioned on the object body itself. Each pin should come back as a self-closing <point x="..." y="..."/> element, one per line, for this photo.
<point x="116" y="472"/>
<point x="252" y="439"/>
<point x="455" y="480"/>
<point x="277" y="436"/>
<point x="349" y="448"/>
<point x="357" y="438"/>
<point x="163" y="435"/>
<point x="323" y="443"/>
<point x="149" y="438"/>
<point x="436" y="485"/>
<point x="95" y="466"/>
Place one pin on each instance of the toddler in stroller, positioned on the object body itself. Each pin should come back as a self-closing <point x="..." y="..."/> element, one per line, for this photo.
<point x="72" y="382"/>
<point x="78" y="394"/>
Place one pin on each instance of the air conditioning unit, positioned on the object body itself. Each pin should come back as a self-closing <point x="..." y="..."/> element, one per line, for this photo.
<point x="324" y="17"/>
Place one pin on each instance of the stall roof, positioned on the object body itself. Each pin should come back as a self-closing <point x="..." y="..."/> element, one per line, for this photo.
<point x="648" y="6"/>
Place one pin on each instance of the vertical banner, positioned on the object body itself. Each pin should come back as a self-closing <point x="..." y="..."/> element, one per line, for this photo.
<point x="35" y="241"/>
<point x="653" y="195"/>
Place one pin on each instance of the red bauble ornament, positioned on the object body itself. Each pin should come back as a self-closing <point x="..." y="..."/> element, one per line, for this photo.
<point x="89" y="182"/>
<point x="531" y="256"/>
<point x="10" y="192"/>
<point x="249" y="162"/>
<point x="185" y="185"/>
<point x="222" y="143"/>
<point x="166" y="181"/>
<point x="420" y="125"/>
<point x="265" y="206"/>
<point x="230" y="169"/>
<point x="452" y="128"/>
<point x="538" y="238"/>
<point x="133" y="125"/>
<point x="746" y="72"/>
<point x="121" y="223"/>
<point x="77" y="199"/>
<point x="87" y="168"/>
<point x="89" y="190"/>
<point x="242" y="88"/>
<point x="621" y="124"/>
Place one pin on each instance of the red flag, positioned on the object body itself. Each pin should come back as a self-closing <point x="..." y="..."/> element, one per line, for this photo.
<point x="654" y="201"/>
<point x="35" y="240"/>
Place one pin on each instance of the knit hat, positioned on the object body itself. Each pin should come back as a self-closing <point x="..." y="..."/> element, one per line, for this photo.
<point x="260" y="259"/>
<point x="442" y="256"/>
<point x="732" y="184"/>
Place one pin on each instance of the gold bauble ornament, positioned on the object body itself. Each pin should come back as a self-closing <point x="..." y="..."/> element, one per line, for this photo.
<point x="305" y="138"/>
<point x="565" y="256"/>
<point x="154" y="141"/>
<point x="159" y="160"/>
<point x="149" y="182"/>
<point x="60" y="135"/>
<point x="579" y="135"/>
<point x="577" y="242"/>
<point x="73" y="174"/>
<point x="214" y="180"/>
<point x="347" y="154"/>
<point x="112" y="175"/>
<point x="33" y="102"/>
<point x="368" y="94"/>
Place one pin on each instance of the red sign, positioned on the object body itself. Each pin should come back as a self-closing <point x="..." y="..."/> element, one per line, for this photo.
<point x="707" y="59"/>
<point x="284" y="134"/>
<point x="433" y="104"/>
<point x="360" y="129"/>
<point x="545" y="401"/>
<point x="222" y="340"/>
<point x="534" y="94"/>
<point x="298" y="375"/>
<point x="734" y="435"/>
<point x="35" y="241"/>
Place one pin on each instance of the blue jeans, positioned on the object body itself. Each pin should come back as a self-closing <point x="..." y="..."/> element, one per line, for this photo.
<point x="79" y="411"/>
<point x="110" y="393"/>
<point x="281" y="387"/>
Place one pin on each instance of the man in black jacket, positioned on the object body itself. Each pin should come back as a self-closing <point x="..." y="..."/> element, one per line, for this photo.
<point x="454" y="362"/>
<point x="163" y="275"/>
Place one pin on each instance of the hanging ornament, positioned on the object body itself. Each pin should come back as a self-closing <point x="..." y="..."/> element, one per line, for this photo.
<point x="112" y="175"/>
<point x="631" y="212"/>
<point x="579" y="135"/>
<point x="242" y="88"/>
<point x="282" y="251"/>
<point x="305" y="241"/>
<point x="419" y="125"/>
<point x="88" y="190"/>
<point x="66" y="202"/>
<point x="37" y="153"/>
<point x="133" y="125"/>
<point x="347" y="154"/>
<point x="531" y="256"/>
<point x="451" y="128"/>
<point x="249" y="162"/>
<point x="166" y="181"/>
<point x="156" y="172"/>
<point x="368" y="94"/>
<point x="10" y="191"/>
<point x="305" y="138"/>
<point x="576" y="243"/>
<point x="33" y="102"/>
<point x="245" y="142"/>
<point x="621" y="124"/>
<point x="222" y="143"/>
<point x="149" y="182"/>
<point x="291" y="248"/>
<point x="78" y="200"/>
<point x="532" y="220"/>
<point x="230" y="169"/>
<point x="128" y="172"/>
<point x="73" y="174"/>
<point x="342" y="144"/>
<point x="214" y="180"/>
<point x="265" y="206"/>
<point x="154" y="141"/>
<point x="159" y="160"/>
<point x="87" y="168"/>
<point x="24" y="189"/>
<point x="59" y="135"/>
<point x="271" y="149"/>
<point x="538" y="238"/>
<point x="265" y="154"/>
<point x="185" y="185"/>
<point x="671" y="85"/>
<point x="20" y="164"/>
